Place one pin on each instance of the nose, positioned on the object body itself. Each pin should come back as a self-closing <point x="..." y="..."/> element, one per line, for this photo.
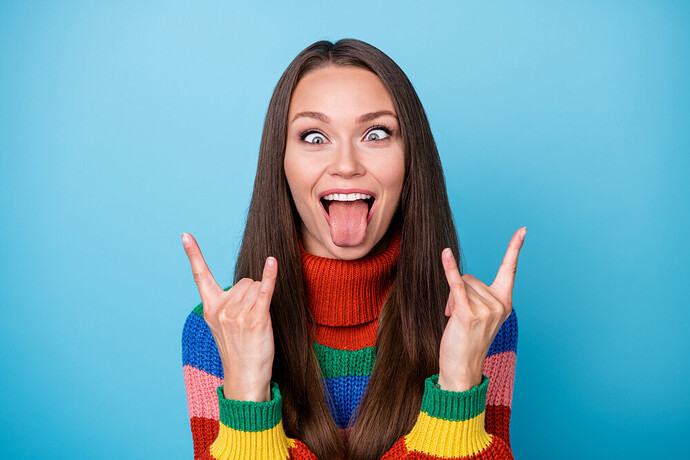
<point x="346" y="161"/>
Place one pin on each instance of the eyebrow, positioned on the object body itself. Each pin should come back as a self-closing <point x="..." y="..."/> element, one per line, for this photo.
<point x="361" y="119"/>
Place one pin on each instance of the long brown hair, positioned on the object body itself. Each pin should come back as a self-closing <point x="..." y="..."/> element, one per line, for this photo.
<point x="412" y="320"/>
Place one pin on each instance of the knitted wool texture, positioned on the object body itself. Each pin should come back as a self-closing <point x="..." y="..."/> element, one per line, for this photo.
<point x="345" y="300"/>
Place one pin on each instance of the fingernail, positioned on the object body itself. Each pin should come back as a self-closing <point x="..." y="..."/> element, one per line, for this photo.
<point x="448" y="254"/>
<point x="523" y="233"/>
<point x="270" y="262"/>
<point x="185" y="239"/>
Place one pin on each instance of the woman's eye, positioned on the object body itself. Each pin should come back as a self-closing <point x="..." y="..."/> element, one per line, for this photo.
<point x="378" y="134"/>
<point x="313" y="137"/>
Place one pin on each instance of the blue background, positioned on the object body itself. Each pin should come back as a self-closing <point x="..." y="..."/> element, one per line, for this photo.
<point x="123" y="124"/>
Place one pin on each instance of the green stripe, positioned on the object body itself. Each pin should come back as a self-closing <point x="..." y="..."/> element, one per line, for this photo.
<point x="250" y="415"/>
<point x="199" y="309"/>
<point x="454" y="405"/>
<point x="340" y="363"/>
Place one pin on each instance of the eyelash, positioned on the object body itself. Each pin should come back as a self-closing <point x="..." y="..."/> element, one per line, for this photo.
<point x="387" y="129"/>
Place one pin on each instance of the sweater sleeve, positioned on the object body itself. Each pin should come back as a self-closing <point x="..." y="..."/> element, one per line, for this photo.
<point x="451" y="425"/>
<point x="223" y="428"/>
<point x="472" y="424"/>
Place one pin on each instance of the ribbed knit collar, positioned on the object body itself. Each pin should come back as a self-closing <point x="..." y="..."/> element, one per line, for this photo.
<point x="349" y="292"/>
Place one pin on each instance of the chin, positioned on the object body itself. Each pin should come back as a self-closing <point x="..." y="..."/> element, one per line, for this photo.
<point x="352" y="252"/>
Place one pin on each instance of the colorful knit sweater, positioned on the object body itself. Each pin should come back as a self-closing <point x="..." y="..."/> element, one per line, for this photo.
<point x="345" y="299"/>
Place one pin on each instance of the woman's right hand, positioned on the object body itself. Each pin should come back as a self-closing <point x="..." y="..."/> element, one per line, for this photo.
<point x="240" y="322"/>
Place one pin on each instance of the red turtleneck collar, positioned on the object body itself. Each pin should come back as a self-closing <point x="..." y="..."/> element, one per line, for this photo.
<point x="349" y="292"/>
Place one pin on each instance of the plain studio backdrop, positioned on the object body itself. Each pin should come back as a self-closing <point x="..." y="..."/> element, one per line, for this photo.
<point x="123" y="124"/>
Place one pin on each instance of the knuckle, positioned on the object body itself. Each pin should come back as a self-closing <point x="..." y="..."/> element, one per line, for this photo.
<point x="483" y="315"/>
<point x="233" y="322"/>
<point x="241" y="321"/>
<point x="497" y="306"/>
<point x="474" y="319"/>
<point x="223" y="316"/>
<point x="458" y="284"/>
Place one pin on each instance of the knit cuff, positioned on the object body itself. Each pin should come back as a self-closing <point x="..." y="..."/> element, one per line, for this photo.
<point x="454" y="405"/>
<point x="251" y="415"/>
<point x="450" y="423"/>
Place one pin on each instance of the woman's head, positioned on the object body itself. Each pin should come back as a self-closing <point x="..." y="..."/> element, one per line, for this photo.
<point x="366" y="71"/>
<point x="344" y="160"/>
<point x="344" y="81"/>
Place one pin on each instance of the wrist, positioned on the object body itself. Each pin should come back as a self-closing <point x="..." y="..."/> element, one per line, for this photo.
<point x="244" y="392"/>
<point x="462" y="382"/>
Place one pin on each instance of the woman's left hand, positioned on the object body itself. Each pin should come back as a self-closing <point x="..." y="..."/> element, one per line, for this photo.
<point x="477" y="312"/>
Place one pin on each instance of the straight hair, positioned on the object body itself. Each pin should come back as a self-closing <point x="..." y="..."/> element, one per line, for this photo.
<point x="412" y="319"/>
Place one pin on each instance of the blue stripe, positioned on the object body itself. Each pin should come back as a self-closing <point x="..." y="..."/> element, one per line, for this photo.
<point x="346" y="393"/>
<point x="506" y="338"/>
<point x="198" y="347"/>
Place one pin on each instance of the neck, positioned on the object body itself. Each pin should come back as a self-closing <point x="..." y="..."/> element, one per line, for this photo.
<point x="350" y="292"/>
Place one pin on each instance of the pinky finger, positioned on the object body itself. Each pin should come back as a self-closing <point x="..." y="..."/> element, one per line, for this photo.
<point x="268" y="282"/>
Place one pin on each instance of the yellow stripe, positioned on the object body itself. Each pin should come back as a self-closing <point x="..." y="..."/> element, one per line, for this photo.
<point x="446" y="438"/>
<point x="271" y="444"/>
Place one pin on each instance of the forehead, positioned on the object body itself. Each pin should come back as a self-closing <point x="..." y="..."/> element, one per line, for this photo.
<point x="340" y="91"/>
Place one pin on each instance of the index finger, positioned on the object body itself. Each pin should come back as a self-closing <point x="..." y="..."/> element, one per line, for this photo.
<point x="505" y="278"/>
<point x="202" y="275"/>
<point x="268" y="283"/>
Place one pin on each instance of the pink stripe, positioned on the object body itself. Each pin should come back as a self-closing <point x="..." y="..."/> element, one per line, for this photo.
<point x="202" y="400"/>
<point x="500" y="368"/>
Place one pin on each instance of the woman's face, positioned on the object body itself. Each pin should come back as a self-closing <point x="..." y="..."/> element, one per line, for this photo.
<point x="344" y="160"/>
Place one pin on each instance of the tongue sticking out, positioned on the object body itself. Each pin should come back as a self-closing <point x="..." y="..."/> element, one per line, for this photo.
<point x="348" y="222"/>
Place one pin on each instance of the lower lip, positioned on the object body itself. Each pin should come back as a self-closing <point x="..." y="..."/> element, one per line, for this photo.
<point x="369" y="216"/>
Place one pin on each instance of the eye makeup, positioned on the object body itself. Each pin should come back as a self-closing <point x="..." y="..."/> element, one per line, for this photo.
<point x="387" y="129"/>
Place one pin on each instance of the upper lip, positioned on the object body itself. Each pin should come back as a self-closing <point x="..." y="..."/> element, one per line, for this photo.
<point x="346" y="191"/>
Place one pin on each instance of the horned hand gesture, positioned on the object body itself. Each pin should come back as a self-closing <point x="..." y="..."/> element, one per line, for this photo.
<point x="476" y="313"/>
<point x="240" y="322"/>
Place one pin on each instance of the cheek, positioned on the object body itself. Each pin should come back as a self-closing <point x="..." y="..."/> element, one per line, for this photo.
<point x="299" y="177"/>
<point x="292" y="171"/>
<point x="392" y="174"/>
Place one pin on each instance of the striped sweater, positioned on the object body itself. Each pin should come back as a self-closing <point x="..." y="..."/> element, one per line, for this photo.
<point x="345" y="299"/>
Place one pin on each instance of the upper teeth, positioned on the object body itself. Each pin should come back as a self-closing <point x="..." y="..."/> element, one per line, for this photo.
<point x="346" y="197"/>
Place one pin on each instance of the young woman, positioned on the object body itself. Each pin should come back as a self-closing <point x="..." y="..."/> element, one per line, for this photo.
<point x="350" y="331"/>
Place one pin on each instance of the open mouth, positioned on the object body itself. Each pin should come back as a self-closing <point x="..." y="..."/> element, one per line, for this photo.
<point x="326" y="200"/>
<point x="348" y="215"/>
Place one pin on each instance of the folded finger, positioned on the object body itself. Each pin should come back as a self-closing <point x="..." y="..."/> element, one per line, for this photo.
<point x="251" y="295"/>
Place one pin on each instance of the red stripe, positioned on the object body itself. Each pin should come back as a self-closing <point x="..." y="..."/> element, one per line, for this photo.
<point x="498" y="422"/>
<point x="300" y="451"/>
<point x="350" y="338"/>
<point x="497" y="450"/>
<point x="204" y="432"/>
